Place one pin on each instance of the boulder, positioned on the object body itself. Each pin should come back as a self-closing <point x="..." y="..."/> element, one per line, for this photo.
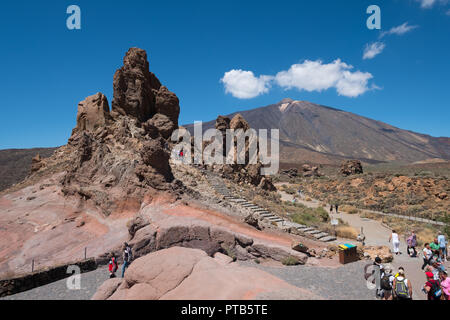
<point x="36" y="163"/>
<point x="107" y="289"/>
<point x="378" y="251"/>
<point x="278" y="253"/>
<point x="189" y="274"/>
<point x="93" y="112"/>
<point x="162" y="123"/>
<point x="253" y="221"/>
<point x="351" y="167"/>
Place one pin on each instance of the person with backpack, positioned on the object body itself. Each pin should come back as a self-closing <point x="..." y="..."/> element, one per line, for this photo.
<point x="112" y="265"/>
<point x="402" y="287"/>
<point x="395" y="242"/>
<point x="432" y="287"/>
<point x="127" y="257"/>
<point x="386" y="284"/>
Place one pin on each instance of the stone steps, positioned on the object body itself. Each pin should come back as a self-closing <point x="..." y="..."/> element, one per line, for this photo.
<point x="305" y="229"/>
<point x="312" y="232"/>
<point x="320" y="235"/>
<point x="327" y="239"/>
<point x="262" y="213"/>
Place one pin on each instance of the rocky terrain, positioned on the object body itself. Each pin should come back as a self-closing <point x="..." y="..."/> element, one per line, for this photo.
<point x="411" y="192"/>
<point x="247" y="172"/>
<point x="190" y="274"/>
<point x="115" y="181"/>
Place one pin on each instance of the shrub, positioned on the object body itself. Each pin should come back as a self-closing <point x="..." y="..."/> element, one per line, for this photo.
<point x="323" y="214"/>
<point x="350" y="209"/>
<point x="290" y="261"/>
<point x="346" y="232"/>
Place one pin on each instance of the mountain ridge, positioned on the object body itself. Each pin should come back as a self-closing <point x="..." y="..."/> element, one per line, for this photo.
<point x="328" y="134"/>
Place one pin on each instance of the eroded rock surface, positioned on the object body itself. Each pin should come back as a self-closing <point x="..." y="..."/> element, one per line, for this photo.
<point x="183" y="273"/>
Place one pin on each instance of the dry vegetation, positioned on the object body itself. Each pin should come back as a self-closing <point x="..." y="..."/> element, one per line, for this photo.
<point x="416" y="190"/>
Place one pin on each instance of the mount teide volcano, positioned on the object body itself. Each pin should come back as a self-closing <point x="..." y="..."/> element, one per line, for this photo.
<point x="313" y="133"/>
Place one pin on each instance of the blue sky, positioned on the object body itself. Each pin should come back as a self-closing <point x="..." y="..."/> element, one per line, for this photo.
<point x="273" y="46"/>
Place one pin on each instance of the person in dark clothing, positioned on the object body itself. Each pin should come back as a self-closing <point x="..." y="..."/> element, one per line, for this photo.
<point x="336" y="206"/>
<point x="127" y="257"/>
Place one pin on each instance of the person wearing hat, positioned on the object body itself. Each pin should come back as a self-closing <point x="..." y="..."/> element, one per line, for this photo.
<point x="432" y="287"/>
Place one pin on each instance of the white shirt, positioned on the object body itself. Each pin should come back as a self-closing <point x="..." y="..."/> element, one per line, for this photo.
<point x="427" y="253"/>
<point x="395" y="238"/>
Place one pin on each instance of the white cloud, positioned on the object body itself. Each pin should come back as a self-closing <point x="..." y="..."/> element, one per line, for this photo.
<point x="317" y="76"/>
<point x="427" y="4"/>
<point x="372" y="50"/>
<point x="399" y="30"/>
<point x="244" y="85"/>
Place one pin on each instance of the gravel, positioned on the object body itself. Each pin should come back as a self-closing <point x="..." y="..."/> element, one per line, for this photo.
<point x="343" y="283"/>
<point x="90" y="281"/>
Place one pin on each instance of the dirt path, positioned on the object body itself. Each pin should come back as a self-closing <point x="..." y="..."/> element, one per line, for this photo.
<point x="378" y="234"/>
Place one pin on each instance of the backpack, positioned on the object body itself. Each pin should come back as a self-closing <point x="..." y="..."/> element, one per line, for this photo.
<point x="385" y="283"/>
<point x="401" y="289"/>
<point x="436" y="290"/>
<point x="128" y="255"/>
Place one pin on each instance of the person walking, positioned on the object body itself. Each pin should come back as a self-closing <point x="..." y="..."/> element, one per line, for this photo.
<point x="127" y="257"/>
<point x="331" y="208"/>
<point x="442" y="246"/>
<point x="434" y="246"/>
<point x="395" y="242"/>
<point x="432" y="287"/>
<point x="402" y="287"/>
<point x="337" y="208"/>
<point x="412" y="243"/>
<point x="427" y="255"/>
<point x="378" y="273"/>
<point x="387" y="283"/>
<point x="112" y="265"/>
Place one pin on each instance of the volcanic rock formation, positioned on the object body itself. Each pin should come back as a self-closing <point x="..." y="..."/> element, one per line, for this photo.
<point x="241" y="173"/>
<point x="351" y="167"/>
<point x="116" y="158"/>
